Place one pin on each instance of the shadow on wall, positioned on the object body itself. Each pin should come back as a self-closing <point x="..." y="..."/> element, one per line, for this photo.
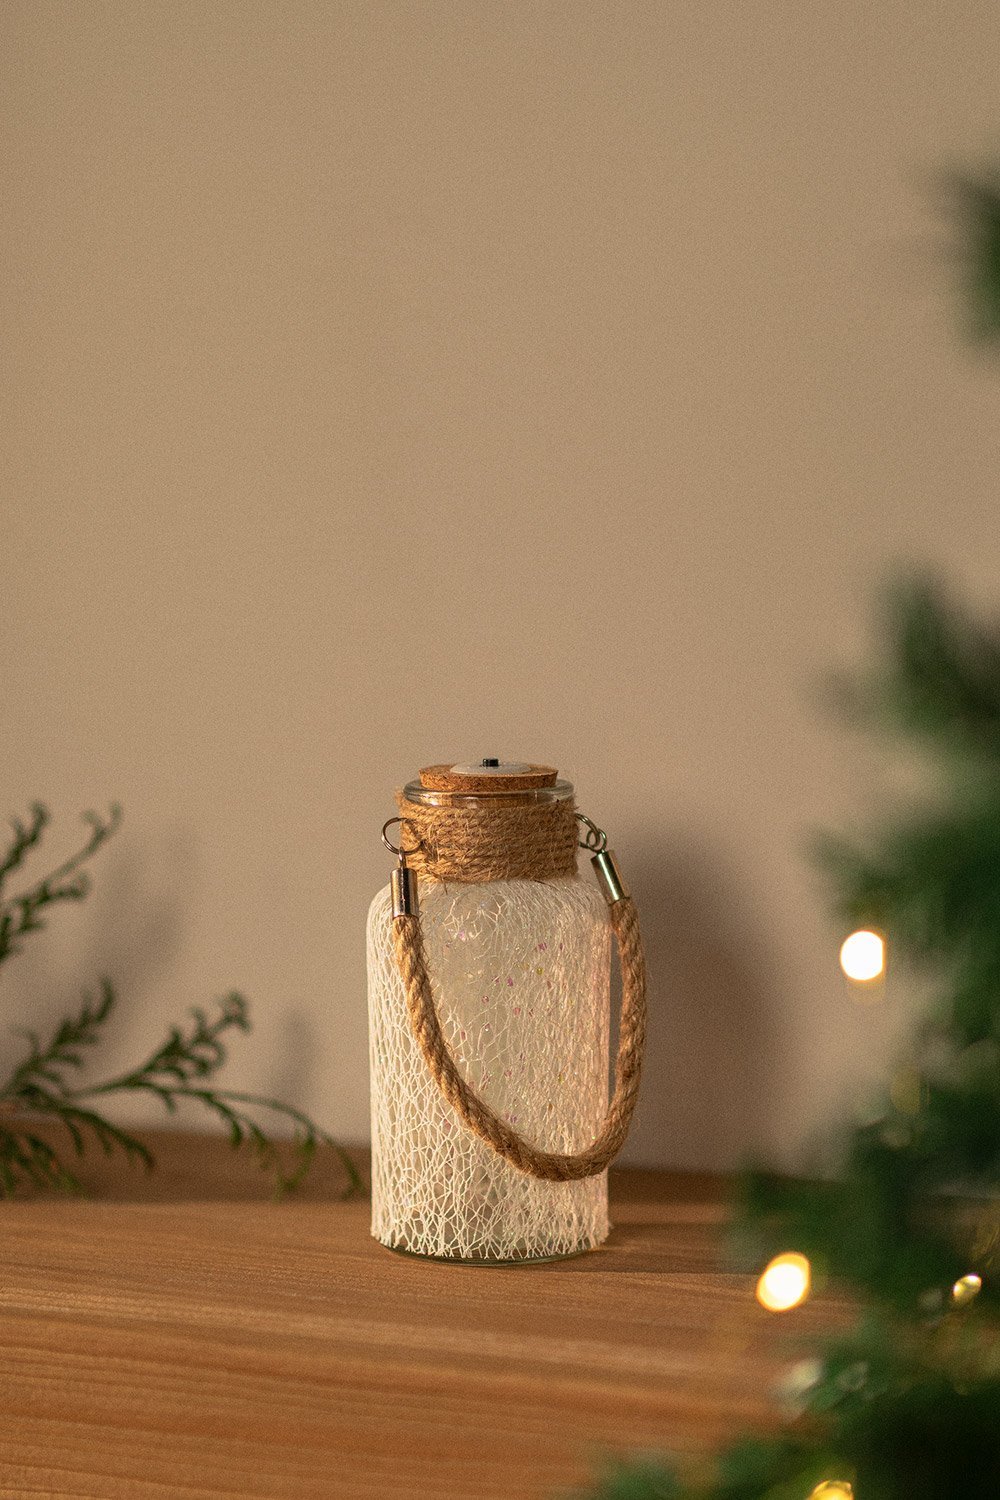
<point x="714" y="1054"/>
<point x="298" y="1046"/>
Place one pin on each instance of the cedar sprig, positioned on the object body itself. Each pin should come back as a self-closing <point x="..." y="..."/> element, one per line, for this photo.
<point x="22" y="914"/>
<point x="43" y="1083"/>
<point x="179" y="1069"/>
<point x="39" y="1086"/>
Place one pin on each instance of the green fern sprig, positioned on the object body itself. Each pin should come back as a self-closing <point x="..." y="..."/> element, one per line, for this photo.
<point x="46" y="1064"/>
<point x="179" y="1068"/>
<point x="22" y="914"/>
<point x="42" y="1083"/>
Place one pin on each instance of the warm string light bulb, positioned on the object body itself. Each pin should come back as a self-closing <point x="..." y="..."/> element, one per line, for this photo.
<point x="966" y="1288"/>
<point x="862" y="956"/>
<point x="832" y="1489"/>
<point x="784" y="1282"/>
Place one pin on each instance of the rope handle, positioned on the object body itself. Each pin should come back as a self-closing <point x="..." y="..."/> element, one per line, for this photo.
<point x="484" y="1122"/>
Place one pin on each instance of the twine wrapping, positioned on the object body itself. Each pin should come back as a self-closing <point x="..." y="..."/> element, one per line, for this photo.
<point x="516" y="842"/>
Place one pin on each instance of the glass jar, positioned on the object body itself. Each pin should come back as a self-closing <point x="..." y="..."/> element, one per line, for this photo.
<point x="520" y="971"/>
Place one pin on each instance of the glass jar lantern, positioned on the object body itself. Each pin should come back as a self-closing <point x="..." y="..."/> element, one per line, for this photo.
<point x="477" y="1129"/>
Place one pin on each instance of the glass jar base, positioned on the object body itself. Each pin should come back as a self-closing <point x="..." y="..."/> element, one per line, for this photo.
<point x="493" y="1262"/>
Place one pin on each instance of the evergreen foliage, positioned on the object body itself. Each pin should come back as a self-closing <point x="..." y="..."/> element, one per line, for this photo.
<point x="977" y="199"/>
<point x="907" y="1405"/>
<point x="45" y="1083"/>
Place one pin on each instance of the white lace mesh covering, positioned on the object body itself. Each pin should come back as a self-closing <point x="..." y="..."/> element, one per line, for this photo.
<point x="521" y="978"/>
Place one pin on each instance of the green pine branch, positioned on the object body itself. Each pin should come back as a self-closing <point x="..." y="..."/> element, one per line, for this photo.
<point x="976" y="201"/>
<point x="907" y="1405"/>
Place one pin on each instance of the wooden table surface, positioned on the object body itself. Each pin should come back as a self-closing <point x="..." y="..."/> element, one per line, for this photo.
<point x="181" y="1335"/>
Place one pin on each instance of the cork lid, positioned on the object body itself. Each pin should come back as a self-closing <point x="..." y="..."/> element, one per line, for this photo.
<point x="490" y="777"/>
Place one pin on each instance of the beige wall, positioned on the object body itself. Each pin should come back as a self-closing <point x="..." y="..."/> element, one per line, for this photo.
<point x="389" y="383"/>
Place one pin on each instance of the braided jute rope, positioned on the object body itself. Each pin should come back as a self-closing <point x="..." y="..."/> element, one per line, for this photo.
<point x="453" y="841"/>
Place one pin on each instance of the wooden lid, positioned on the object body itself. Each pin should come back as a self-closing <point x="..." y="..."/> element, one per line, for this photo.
<point x="451" y="779"/>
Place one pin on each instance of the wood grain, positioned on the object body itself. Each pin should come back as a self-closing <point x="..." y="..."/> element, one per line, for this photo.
<point x="183" y="1336"/>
